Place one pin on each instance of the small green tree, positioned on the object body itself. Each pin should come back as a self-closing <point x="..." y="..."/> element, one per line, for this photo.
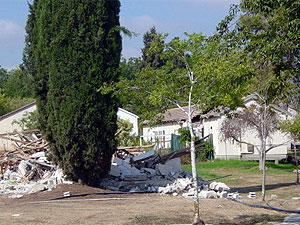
<point x="124" y="133"/>
<point x="209" y="77"/>
<point x="29" y="121"/>
<point x="4" y="108"/>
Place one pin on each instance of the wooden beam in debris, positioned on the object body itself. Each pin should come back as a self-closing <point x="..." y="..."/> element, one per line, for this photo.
<point x="180" y="152"/>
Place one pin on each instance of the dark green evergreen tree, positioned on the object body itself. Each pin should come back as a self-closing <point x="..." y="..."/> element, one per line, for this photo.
<point x="3" y="76"/>
<point x="151" y="54"/>
<point x="72" y="50"/>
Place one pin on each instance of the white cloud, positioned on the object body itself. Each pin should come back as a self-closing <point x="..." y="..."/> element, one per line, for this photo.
<point x="11" y="34"/>
<point x="143" y="23"/>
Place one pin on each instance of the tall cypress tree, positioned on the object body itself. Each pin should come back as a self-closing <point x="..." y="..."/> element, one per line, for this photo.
<point x="72" y="48"/>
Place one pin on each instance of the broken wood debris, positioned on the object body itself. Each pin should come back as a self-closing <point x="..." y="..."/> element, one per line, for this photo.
<point x="26" y="168"/>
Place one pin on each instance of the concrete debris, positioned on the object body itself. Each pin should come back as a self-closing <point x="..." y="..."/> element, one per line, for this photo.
<point x="143" y="173"/>
<point x="207" y="194"/>
<point x="144" y="156"/>
<point x="26" y="170"/>
<point x="171" y="166"/>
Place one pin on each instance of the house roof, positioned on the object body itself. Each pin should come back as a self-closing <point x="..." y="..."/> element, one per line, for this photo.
<point x="177" y="114"/>
<point x="127" y="112"/>
<point x="17" y="110"/>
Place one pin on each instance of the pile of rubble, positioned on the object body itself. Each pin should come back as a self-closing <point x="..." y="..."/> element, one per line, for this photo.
<point x="26" y="169"/>
<point x="152" y="173"/>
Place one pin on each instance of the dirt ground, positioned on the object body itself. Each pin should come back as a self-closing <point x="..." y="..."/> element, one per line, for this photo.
<point x="149" y="209"/>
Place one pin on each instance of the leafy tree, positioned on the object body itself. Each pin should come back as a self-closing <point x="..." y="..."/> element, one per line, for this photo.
<point x="128" y="68"/>
<point x="18" y="84"/>
<point x="3" y="76"/>
<point x="4" y="108"/>
<point x="292" y="127"/>
<point x="268" y="31"/>
<point x="124" y="133"/>
<point x="207" y="79"/>
<point x="72" y="50"/>
<point x="29" y="121"/>
<point x="259" y="119"/>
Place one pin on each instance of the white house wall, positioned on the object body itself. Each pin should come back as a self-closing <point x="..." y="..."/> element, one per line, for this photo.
<point x="132" y="118"/>
<point x="6" y="126"/>
<point x="167" y="129"/>
<point x="231" y="149"/>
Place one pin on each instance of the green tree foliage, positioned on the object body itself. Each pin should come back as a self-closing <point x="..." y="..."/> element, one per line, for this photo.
<point x="153" y="49"/>
<point x="72" y="49"/>
<point x="123" y="134"/>
<point x="211" y="76"/>
<point x="29" y="121"/>
<point x="268" y="31"/>
<point x="18" y="84"/>
<point x="129" y="68"/>
<point x="292" y="127"/>
<point x="4" y="108"/>
<point x="3" y="76"/>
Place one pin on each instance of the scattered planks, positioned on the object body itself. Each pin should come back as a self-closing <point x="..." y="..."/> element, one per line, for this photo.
<point x="123" y="152"/>
<point x="27" y="143"/>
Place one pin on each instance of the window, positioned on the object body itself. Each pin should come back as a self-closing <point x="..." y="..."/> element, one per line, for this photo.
<point x="250" y="148"/>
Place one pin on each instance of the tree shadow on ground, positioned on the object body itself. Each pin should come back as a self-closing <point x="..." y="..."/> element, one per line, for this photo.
<point x="258" y="187"/>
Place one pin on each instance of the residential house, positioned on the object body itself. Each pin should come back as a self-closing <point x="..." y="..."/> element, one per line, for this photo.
<point x="211" y="124"/>
<point x="172" y="120"/>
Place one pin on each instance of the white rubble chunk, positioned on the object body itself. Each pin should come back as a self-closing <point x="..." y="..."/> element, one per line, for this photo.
<point x="15" y="196"/>
<point x="223" y="194"/>
<point x="213" y="185"/>
<point x="221" y="187"/>
<point x="58" y="174"/>
<point x="69" y="182"/>
<point x="23" y="168"/>
<point x="6" y="174"/>
<point x="38" y="155"/>
<point x="37" y="188"/>
<point x="188" y="195"/>
<point x="184" y="183"/>
<point x="207" y="194"/>
<point x="172" y="165"/>
<point x="144" y="156"/>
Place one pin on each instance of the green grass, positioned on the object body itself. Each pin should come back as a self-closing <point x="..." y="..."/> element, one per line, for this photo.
<point x="218" y="167"/>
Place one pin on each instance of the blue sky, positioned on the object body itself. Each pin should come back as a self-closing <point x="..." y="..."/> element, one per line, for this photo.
<point x="169" y="16"/>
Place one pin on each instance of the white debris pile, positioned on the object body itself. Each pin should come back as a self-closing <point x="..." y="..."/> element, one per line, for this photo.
<point x="26" y="169"/>
<point x="146" y="172"/>
<point x="26" y="177"/>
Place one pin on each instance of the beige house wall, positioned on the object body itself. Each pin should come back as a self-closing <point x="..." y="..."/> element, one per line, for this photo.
<point x="231" y="149"/>
<point x="7" y="126"/>
<point x="162" y="132"/>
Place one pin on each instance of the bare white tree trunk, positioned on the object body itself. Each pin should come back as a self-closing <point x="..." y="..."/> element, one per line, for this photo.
<point x="261" y="164"/>
<point x="263" y="186"/>
<point x="196" y="219"/>
<point x="263" y="152"/>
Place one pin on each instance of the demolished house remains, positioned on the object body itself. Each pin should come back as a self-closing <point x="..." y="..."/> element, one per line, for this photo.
<point x="26" y="170"/>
